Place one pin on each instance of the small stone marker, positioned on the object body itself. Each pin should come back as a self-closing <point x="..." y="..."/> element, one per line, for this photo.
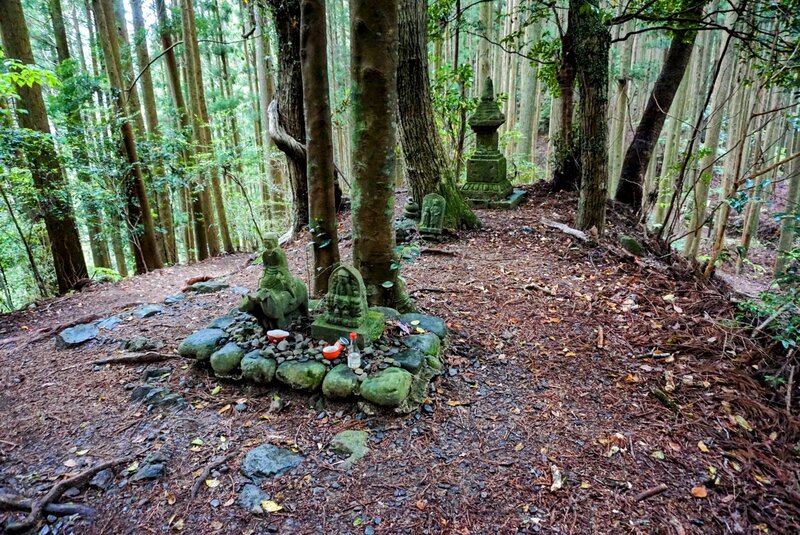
<point x="433" y="206"/>
<point x="347" y="309"/>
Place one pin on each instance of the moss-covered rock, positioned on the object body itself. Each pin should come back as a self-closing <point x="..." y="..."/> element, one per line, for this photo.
<point x="301" y="375"/>
<point x="387" y="388"/>
<point x="630" y="244"/>
<point x="428" y="343"/>
<point x="340" y="382"/>
<point x="409" y="359"/>
<point x="201" y="344"/>
<point x="225" y="361"/>
<point x="258" y="368"/>
<point x="352" y="443"/>
<point x="429" y="323"/>
<point x="388" y="312"/>
<point x="433" y="361"/>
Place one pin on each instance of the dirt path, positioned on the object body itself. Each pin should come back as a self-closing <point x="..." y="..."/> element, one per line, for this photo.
<point x="555" y="346"/>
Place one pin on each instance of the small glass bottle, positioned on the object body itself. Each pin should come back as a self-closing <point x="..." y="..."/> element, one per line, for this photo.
<point x="353" y="356"/>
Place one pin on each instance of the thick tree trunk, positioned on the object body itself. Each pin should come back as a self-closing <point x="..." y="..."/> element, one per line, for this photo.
<point x="373" y="67"/>
<point x="319" y="152"/>
<point x="637" y="157"/>
<point x="427" y="168"/>
<point x="48" y="179"/>
<point x="529" y="111"/>
<point x="79" y="143"/>
<point x="166" y="236"/>
<point x="484" y="52"/>
<point x="286" y="18"/>
<point x="620" y="124"/>
<point x="592" y="43"/>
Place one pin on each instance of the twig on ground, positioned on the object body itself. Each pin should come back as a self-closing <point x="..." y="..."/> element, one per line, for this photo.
<point x="12" y="502"/>
<point x="770" y="319"/>
<point x="649" y="493"/>
<point x="543" y="289"/>
<point x="575" y="233"/>
<point x="439" y="252"/>
<point x="207" y="470"/>
<point x="38" y="506"/>
<point x="665" y="400"/>
<point x="137" y="358"/>
<point x="789" y="386"/>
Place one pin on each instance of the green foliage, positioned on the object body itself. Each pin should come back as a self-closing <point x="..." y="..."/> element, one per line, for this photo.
<point x="449" y="102"/>
<point x="782" y="304"/>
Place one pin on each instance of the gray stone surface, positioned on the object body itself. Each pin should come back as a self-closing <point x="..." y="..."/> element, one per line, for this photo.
<point x="109" y="323"/>
<point x="157" y="396"/>
<point x="174" y="298"/>
<point x="428" y="343"/>
<point x="225" y="360"/>
<point x="387" y="388"/>
<point x="257" y="368"/>
<point x="103" y="479"/>
<point x="201" y="344"/>
<point x="269" y="460"/>
<point x="146" y="311"/>
<point x="430" y="323"/>
<point x="409" y="359"/>
<point x="153" y="467"/>
<point x="250" y="498"/>
<point x="340" y="382"/>
<point x="223" y="322"/>
<point x="352" y="443"/>
<point x="301" y="375"/>
<point x="207" y="287"/>
<point x="141" y="343"/>
<point x="77" y="335"/>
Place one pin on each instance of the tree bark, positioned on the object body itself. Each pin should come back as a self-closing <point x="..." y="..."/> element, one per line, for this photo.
<point x="427" y="168"/>
<point x="137" y="214"/>
<point x="566" y="174"/>
<point x="373" y="68"/>
<point x="637" y="157"/>
<point x="592" y="43"/>
<point x="789" y="223"/>
<point x="319" y="151"/>
<point x="286" y="18"/>
<point x="166" y="237"/>
<point x="48" y="179"/>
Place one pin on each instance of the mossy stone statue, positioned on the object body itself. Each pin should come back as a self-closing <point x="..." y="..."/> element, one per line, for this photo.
<point x="280" y="298"/>
<point x="346" y="309"/>
<point x="433" y="206"/>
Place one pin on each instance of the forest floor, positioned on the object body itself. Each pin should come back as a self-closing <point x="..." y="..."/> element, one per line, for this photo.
<point x="556" y="349"/>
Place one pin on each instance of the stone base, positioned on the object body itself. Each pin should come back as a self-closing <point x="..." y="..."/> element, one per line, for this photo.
<point x="487" y="191"/>
<point x="370" y="331"/>
<point x="512" y="201"/>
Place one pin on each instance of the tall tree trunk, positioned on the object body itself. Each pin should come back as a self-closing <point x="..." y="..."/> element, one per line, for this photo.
<point x="592" y="43"/>
<point x="166" y="236"/>
<point x="529" y="113"/>
<point x="48" y="179"/>
<point x="640" y="150"/>
<point x="286" y="18"/>
<point x="789" y="222"/>
<point x="202" y="130"/>
<point x="373" y="67"/>
<point x="705" y="175"/>
<point x="141" y="230"/>
<point x="195" y="243"/>
<point x="484" y="52"/>
<point x="319" y="153"/>
<point x="620" y="124"/>
<point x="79" y="143"/>
<point x="566" y="174"/>
<point x="428" y="170"/>
<point x="273" y="188"/>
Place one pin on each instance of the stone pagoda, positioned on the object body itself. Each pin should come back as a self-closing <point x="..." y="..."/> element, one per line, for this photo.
<point x="487" y="185"/>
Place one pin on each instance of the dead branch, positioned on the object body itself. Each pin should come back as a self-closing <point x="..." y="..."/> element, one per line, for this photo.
<point x="282" y="139"/>
<point x="38" y="506"/>
<point x="575" y="233"/>
<point x="544" y="289"/>
<point x="137" y="358"/>
<point x="439" y="252"/>
<point x="649" y="493"/>
<point x="665" y="400"/>
<point x="207" y="470"/>
<point x="12" y="502"/>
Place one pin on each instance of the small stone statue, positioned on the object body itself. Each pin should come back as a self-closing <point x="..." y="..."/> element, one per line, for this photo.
<point x="411" y="210"/>
<point x="347" y="310"/>
<point x="433" y="206"/>
<point x="280" y="298"/>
